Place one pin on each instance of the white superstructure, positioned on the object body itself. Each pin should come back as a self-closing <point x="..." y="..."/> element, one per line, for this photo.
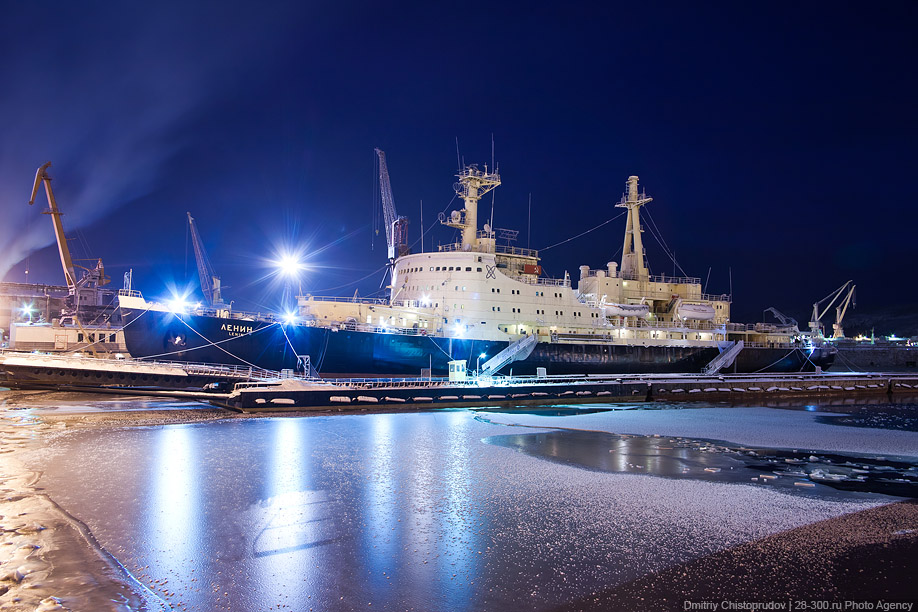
<point x="480" y="289"/>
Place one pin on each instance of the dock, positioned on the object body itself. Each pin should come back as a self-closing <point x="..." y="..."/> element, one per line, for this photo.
<point x="247" y="389"/>
<point x="420" y="394"/>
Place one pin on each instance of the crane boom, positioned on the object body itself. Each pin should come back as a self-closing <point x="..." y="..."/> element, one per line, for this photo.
<point x="815" y="321"/>
<point x="783" y="318"/>
<point x="395" y="225"/>
<point x="210" y="282"/>
<point x="41" y="176"/>
<point x="840" y="310"/>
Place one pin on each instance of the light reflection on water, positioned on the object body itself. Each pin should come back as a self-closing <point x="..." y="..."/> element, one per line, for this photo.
<point x="260" y="513"/>
<point x="340" y="512"/>
<point x="379" y="501"/>
<point x="175" y="506"/>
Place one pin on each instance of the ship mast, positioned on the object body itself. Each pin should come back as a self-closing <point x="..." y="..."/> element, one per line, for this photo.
<point x="633" y="266"/>
<point x="472" y="185"/>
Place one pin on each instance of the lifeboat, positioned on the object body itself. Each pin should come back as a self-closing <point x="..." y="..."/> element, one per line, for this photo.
<point x="626" y="310"/>
<point x="698" y="312"/>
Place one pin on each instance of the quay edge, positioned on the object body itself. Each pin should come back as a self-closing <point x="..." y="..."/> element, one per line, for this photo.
<point x="407" y="394"/>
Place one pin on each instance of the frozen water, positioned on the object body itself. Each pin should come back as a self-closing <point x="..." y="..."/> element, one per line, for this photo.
<point x="401" y="511"/>
<point x="757" y="426"/>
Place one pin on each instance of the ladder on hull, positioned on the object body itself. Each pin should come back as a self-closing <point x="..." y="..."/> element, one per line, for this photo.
<point x="725" y="359"/>
<point x="515" y="351"/>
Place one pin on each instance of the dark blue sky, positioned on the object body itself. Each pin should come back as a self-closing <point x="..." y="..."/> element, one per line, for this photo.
<point x="776" y="139"/>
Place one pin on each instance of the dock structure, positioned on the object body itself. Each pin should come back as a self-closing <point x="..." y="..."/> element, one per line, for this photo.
<point x="419" y="394"/>
<point x="250" y="389"/>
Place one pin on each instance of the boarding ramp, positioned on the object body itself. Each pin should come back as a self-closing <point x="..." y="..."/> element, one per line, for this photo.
<point x="725" y="359"/>
<point x="515" y="351"/>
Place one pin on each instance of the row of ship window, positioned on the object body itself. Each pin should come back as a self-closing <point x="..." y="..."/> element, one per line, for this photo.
<point x="92" y="337"/>
<point x="439" y="269"/>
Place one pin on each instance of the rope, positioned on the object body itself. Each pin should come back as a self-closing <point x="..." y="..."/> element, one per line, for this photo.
<point x="854" y="367"/>
<point x="248" y="363"/>
<point x="448" y="356"/>
<point x="774" y="362"/>
<point x="296" y="354"/>
<point x="373" y="273"/>
<point x="583" y="233"/>
<point x="209" y="343"/>
<point x="324" y="351"/>
<point x="658" y="236"/>
<point x="76" y="350"/>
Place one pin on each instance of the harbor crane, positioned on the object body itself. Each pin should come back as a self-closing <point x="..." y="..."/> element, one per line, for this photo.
<point x="780" y="316"/>
<point x="210" y="282"/>
<point x="840" y="310"/>
<point x="816" y="327"/>
<point x="396" y="226"/>
<point x="83" y="293"/>
<point x="84" y="290"/>
<point x="42" y="178"/>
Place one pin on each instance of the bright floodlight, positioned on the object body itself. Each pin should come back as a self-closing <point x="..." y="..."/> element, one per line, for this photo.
<point x="290" y="318"/>
<point x="289" y="265"/>
<point x="483" y="355"/>
<point x="178" y="303"/>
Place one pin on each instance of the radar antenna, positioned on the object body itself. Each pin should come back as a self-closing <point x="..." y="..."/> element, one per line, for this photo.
<point x="471" y="186"/>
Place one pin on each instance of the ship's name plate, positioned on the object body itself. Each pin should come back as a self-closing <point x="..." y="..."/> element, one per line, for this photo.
<point x="236" y="330"/>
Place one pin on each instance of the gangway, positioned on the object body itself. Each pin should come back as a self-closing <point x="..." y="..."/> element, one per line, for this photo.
<point x="725" y="359"/>
<point x="515" y="351"/>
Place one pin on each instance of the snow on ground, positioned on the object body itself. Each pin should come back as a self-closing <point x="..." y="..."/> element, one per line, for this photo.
<point x="764" y="427"/>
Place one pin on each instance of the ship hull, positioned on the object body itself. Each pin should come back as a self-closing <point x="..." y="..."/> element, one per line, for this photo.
<point x="332" y="352"/>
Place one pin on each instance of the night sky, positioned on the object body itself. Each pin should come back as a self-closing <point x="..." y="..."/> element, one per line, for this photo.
<point x="777" y="139"/>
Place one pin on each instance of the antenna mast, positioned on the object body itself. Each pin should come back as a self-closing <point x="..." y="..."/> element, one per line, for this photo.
<point x="472" y="185"/>
<point x="633" y="264"/>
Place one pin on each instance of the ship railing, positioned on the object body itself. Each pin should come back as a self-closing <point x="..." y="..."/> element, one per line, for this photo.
<point x="210" y="369"/>
<point x="545" y="282"/>
<point x="780" y="345"/>
<point x="349" y="300"/>
<point x="715" y="297"/>
<point x="190" y="367"/>
<point x="604" y="271"/>
<point x="236" y="315"/>
<point x="486" y="248"/>
<point x="663" y="278"/>
<point x="472" y="383"/>
<point x="383" y="329"/>
<point x="692" y="324"/>
<point x="130" y="293"/>
<point x="765" y="328"/>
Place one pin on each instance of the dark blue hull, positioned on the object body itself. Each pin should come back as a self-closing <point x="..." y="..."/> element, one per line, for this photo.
<point x="275" y="346"/>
